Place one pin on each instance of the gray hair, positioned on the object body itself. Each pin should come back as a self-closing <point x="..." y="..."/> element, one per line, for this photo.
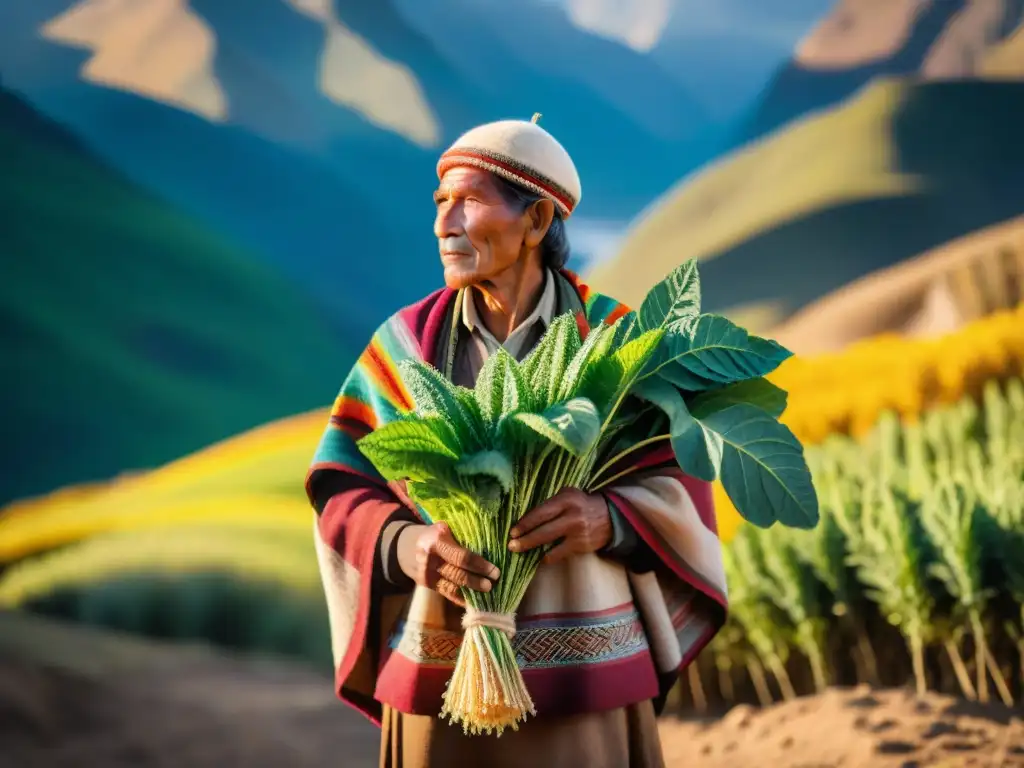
<point x="554" y="248"/>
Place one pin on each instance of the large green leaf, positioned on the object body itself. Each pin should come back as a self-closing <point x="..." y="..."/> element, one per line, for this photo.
<point x="414" y="448"/>
<point x="432" y="393"/>
<point x="590" y="350"/>
<point x="698" y="450"/>
<point x="453" y="502"/>
<point x="634" y="354"/>
<point x="603" y="378"/>
<point x="545" y="366"/>
<point x="760" y="392"/>
<point x="675" y="299"/>
<point x="626" y="329"/>
<point x="492" y="464"/>
<point x="516" y="395"/>
<point x="415" y="465"/>
<point x="435" y="396"/>
<point x="431" y="434"/>
<point x="489" y="392"/>
<point x="573" y="425"/>
<point x="472" y="413"/>
<point x="600" y="383"/>
<point x="763" y="468"/>
<point x="710" y="351"/>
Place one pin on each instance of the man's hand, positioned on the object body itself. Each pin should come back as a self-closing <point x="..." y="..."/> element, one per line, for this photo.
<point x="580" y="520"/>
<point x="430" y="556"/>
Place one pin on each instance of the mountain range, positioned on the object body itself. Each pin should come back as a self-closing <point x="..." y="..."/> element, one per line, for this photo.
<point x="307" y="131"/>
<point x="860" y="40"/>
<point x="197" y="182"/>
<point x="849" y="168"/>
<point x="217" y="203"/>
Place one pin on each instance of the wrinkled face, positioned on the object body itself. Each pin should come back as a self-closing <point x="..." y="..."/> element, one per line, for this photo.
<point x="480" y="235"/>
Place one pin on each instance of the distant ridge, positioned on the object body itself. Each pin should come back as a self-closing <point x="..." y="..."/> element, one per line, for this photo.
<point x="131" y="334"/>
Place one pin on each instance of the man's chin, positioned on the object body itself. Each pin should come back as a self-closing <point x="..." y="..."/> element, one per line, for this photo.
<point x="457" y="278"/>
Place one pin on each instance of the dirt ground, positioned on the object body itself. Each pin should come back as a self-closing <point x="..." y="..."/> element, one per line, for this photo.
<point x="76" y="698"/>
<point x="848" y="728"/>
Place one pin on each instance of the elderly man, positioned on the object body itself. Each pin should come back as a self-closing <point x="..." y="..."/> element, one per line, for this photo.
<point x="632" y="591"/>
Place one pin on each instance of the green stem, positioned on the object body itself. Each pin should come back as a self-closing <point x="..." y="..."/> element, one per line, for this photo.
<point x="535" y="473"/>
<point x="614" y="409"/>
<point x="580" y="472"/>
<point x="555" y="479"/>
<point x="988" y="663"/>
<point x="980" y="668"/>
<point x="963" y="678"/>
<point x="778" y="669"/>
<point x="757" y="676"/>
<point x="917" y="659"/>
<point x="724" y="666"/>
<point x="610" y="480"/>
<point x="867" y="653"/>
<point x="588" y="459"/>
<point x="626" y="387"/>
<point x="622" y="454"/>
<point x="817" y="660"/>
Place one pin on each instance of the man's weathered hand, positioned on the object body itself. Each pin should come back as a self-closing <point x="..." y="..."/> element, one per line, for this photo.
<point x="579" y="521"/>
<point x="430" y="556"/>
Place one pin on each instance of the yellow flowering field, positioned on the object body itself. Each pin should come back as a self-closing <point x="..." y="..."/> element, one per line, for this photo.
<point x="847" y="392"/>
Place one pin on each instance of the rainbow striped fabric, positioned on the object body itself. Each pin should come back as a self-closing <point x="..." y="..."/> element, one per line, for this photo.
<point x="373" y="393"/>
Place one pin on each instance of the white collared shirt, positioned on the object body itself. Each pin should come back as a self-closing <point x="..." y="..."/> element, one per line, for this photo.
<point x="543" y="313"/>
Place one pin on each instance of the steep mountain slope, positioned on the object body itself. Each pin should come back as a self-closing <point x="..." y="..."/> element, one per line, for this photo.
<point x="308" y="130"/>
<point x="552" y="56"/>
<point x="630" y="127"/>
<point x="864" y="39"/>
<point x="131" y="335"/>
<point x="898" y="169"/>
<point x="306" y="184"/>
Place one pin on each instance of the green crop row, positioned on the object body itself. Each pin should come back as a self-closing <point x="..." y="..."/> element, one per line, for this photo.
<point x="914" y="575"/>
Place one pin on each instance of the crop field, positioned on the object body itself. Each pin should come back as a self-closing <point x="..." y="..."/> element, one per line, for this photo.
<point x="914" y="575"/>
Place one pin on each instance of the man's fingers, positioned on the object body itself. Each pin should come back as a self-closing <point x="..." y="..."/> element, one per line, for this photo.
<point x="544" y="534"/>
<point x="558" y="553"/>
<point x="462" y="558"/>
<point x="462" y="578"/>
<point x="539" y="515"/>
<point x="450" y="591"/>
<point x="427" y="566"/>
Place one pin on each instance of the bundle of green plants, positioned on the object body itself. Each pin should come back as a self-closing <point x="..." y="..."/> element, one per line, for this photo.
<point x="572" y="415"/>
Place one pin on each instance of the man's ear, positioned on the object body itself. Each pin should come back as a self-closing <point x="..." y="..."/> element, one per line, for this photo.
<point x="538" y="220"/>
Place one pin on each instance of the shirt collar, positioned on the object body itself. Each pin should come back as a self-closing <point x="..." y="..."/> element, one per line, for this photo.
<point x="544" y="313"/>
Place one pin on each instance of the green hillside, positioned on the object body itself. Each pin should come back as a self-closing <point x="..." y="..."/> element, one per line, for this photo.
<point x="899" y="168"/>
<point x="131" y="336"/>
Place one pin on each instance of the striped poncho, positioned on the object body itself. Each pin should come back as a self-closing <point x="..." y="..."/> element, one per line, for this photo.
<point x="591" y="634"/>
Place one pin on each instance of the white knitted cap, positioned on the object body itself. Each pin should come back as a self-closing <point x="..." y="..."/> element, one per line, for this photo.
<point x="522" y="152"/>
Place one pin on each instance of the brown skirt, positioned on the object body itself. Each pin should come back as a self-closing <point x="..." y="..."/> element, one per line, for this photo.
<point x="619" y="738"/>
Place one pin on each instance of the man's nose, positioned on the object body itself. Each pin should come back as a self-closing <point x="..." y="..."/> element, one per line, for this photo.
<point x="448" y="221"/>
